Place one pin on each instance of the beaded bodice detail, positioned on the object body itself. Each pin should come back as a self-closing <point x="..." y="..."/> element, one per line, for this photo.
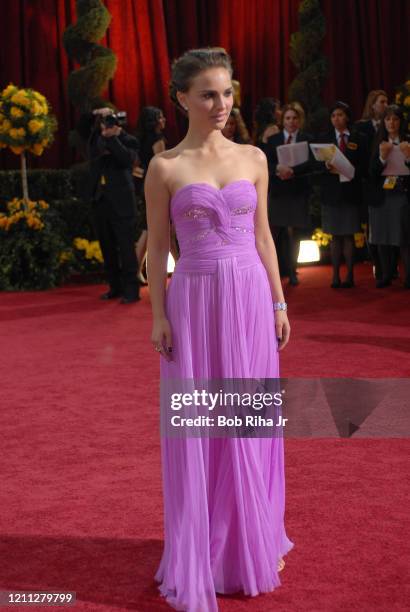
<point x="207" y="218"/>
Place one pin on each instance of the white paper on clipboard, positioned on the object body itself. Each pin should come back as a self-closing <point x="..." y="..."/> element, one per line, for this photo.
<point x="329" y="152"/>
<point x="293" y="154"/>
<point x="396" y="163"/>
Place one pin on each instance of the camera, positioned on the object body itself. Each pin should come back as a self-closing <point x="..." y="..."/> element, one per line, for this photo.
<point x="119" y="119"/>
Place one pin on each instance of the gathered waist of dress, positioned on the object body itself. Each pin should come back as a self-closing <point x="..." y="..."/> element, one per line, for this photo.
<point x="208" y="264"/>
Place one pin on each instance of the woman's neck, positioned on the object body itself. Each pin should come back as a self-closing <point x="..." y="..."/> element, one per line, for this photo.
<point x="206" y="140"/>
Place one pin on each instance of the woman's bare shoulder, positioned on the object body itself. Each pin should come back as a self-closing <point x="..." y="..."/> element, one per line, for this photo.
<point x="254" y="155"/>
<point x="162" y="163"/>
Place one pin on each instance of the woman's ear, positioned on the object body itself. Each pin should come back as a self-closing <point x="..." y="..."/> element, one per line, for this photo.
<point x="181" y="100"/>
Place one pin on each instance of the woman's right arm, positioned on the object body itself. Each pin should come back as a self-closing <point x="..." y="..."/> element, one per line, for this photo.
<point x="157" y="201"/>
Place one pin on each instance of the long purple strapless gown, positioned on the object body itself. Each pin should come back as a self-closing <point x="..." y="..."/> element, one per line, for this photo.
<point x="224" y="498"/>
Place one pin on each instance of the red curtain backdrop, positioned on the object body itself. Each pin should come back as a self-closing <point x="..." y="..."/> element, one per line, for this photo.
<point x="366" y="43"/>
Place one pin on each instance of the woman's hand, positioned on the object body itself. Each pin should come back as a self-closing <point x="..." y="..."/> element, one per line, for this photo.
<point x="161" y="338"/>
<point x="138" y="171"/>
<point x="384" y="149"/>
<point x="271" y="130"/>
<point x="284" y="172"/>
<point x="331" y="168"/>
<point x="405" y="149"/>
<point x="282" y="328"/>
<point x="103" y="111"/>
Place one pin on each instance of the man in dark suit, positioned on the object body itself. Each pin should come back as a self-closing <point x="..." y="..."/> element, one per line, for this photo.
<point x="112" y="154"/>
<point x="289" y="190"/>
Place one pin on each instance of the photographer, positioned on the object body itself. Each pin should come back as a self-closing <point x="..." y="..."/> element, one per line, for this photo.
<point x="112" y="153"/>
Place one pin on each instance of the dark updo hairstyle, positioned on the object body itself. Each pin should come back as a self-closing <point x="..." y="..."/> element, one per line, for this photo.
<point x="382" y="134"/>
<point x="190" y="64"/>
<point x="264" y="115"/>
<point x="344" y="107"/>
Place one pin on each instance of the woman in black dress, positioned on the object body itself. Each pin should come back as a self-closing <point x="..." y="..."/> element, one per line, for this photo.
<point x="389" y="216"/>
<point x="341" y="200"/>
<point x="151" y="124"/>
<point x="288" y="189"/>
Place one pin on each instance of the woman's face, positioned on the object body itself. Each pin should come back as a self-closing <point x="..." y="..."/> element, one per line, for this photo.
<point x="291" y="121"/>
<point x="339" y="119"/>
<point x="161" y="121"/>
<point x="392" y="123"/>
<point x="210" y="98"/>
<point x="230" y="128"/>
<point x="380" y="106"/>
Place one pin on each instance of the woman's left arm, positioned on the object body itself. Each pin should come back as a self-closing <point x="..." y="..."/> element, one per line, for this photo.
<point x="266" y="246"/>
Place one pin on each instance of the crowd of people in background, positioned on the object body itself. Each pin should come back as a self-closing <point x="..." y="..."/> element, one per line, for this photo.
<point x="373" y="201"/>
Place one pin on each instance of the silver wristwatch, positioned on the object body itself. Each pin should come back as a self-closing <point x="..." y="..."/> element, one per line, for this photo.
<point x="280" y="306"/>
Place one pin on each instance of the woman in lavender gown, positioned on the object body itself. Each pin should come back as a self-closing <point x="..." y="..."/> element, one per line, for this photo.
<point x="222" y="316"/>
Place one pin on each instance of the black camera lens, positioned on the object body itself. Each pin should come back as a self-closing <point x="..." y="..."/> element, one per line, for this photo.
<point x="110" y="121"/>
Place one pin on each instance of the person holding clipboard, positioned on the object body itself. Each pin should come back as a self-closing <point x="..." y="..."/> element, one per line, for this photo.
<point x="289" y="186"/>
<point x="341" y="198"/>
<point x="389" y="216"/>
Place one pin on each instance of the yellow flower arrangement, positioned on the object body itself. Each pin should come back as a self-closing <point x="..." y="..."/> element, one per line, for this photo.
<point x="65" y="256"/>
<point x="35" y="126"/>
<point x="25" y="121"/>
<point x="5" y="126"/>
<point x="16" y="112"/>
<point x="321" y="237"/>
<point x="17" y="133"/>
<point x="16" y="212"/>
<point x="91" y="249"/>
<point x="17" y="150"/>
<point x="10" y="90"/>
<point x="21" y="99"/>
<point x="403" y="98"/>
<point x="37" y="149"/>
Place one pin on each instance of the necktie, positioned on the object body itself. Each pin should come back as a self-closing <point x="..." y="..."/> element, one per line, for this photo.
<point x="289" y="140"/>
<point x="342" y="142"/>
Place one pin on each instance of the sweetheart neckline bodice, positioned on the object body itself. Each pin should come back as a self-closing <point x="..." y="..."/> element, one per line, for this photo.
<point x="213" y="187"/>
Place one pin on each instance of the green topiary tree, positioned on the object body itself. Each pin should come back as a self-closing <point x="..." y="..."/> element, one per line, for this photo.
<point x="305" y="53"/>
<point x="98" y="64"/>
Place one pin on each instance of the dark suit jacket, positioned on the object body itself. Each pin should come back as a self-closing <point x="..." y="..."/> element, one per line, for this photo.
<point x="334" y="192"/>
<point x="297" y="185"/>
<point x="366" y="128"/>
<point x="110" y="162"/>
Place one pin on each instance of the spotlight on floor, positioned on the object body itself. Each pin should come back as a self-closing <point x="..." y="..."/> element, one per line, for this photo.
<point x="308" y="251"/>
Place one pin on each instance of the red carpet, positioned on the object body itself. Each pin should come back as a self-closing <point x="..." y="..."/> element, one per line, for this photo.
<point x="81" y="504"/>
